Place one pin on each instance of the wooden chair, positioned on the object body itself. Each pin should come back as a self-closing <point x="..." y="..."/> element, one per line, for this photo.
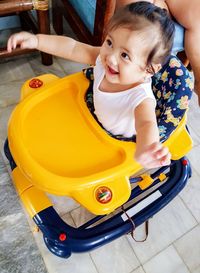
<point x="28" y="22"/>
<point x="104" y="9"/>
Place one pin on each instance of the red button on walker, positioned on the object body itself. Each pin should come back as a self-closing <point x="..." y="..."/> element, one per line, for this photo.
<point x="184" y="162"/>
<point x="62" y="237"/>
<point x="103" y="195"/>
<point x="35" y="83"/>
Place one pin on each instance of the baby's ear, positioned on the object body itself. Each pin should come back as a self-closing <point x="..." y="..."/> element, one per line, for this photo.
<point x="157" y="67"/>
<point x="152" y="69"/>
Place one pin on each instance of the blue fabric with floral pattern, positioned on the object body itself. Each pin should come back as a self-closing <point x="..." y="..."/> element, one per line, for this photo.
<point x="172" y="87"/>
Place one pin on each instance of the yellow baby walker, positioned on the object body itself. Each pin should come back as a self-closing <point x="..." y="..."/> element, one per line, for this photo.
<point x="55" y="145"/>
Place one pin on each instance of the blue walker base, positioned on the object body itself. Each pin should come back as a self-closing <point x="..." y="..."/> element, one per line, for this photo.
<point x="88" y="237"/>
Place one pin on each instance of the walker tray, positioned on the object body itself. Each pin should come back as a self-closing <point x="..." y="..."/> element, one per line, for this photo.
<point x="55" y="145"/>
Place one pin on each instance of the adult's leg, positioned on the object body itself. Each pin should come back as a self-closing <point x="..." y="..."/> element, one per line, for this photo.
<point x="187" y="13"/>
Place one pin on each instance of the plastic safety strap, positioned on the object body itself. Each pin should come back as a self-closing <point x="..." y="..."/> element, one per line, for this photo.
<point x="133" y="228"/>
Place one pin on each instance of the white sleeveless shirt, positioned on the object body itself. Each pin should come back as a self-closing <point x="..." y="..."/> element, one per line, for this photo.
<point x="115" y="110"/>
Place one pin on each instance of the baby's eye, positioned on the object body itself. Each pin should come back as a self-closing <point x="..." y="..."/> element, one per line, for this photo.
<point x="124" y="55"/>
<point x="108" y="42"/>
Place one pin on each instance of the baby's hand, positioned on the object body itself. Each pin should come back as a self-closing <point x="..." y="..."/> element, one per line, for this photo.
<point x="23" y="39"/>
<point x="156" y="155"/>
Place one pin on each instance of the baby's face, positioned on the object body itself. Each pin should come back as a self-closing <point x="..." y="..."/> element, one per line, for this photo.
<point x="123" y="55"/>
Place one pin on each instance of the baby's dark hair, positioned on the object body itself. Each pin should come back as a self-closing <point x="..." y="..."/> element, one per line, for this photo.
<point x="144" y="15"/>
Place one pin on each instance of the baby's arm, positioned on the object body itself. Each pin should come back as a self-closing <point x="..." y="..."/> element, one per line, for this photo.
<point x="150" y="153"/>
<point x="60" y="46"/>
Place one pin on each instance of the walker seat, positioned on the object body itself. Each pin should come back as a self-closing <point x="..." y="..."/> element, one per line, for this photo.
<point x="55" y="145"/>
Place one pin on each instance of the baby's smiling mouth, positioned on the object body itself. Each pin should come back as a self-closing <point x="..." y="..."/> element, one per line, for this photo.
<point x="112" y="71"/>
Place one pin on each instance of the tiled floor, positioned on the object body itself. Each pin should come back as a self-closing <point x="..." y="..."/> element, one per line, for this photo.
<point x="173" y="245"/>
